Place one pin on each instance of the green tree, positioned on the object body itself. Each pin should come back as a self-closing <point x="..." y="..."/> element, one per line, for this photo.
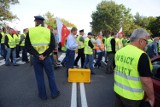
<point x="109" y="17"/>
<point x="154" y="26"/>
<point x="5" y="13"/>
<point x="50" y="20"/>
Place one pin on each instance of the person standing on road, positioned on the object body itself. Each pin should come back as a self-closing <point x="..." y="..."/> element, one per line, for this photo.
<point x="10" y="43"/>
<point x="22" y="45"/>
<point x="40" y="42"/>
<point x="88" y="51"/>
<point x="111" y="50"/>
<point x="132" y="75"/>
<point x="99" y="50"/>
<point x="81" y="55"/>
<point x="2" y="44"/>
<point x="71" y="45"/>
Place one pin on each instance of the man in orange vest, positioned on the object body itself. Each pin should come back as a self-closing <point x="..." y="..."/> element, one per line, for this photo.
<point x="99" y="50"/>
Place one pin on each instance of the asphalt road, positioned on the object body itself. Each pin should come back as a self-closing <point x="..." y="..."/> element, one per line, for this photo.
<point x="18" y="88"/>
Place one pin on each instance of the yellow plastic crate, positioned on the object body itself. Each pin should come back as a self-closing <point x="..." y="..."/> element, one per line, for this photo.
<point x="79" y="75"/>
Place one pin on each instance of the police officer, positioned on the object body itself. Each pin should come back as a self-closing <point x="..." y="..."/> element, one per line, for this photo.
<point x="40" y="42"/>
<point x="132" y="75"/>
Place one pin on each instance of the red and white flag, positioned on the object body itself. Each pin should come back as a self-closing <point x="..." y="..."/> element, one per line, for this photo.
<point x="63" y="31"/>
<point x="120" y="31"/>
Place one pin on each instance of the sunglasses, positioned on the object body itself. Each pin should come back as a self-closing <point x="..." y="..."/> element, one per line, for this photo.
<point x="145" y="40"/>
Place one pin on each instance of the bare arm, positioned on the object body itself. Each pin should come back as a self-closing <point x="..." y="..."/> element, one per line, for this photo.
<point x="148" y="88"/>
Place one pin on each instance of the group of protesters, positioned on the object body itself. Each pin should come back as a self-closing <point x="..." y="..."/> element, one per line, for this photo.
<point x="11" y="43"/>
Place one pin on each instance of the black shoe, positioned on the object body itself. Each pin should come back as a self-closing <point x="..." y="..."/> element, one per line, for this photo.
<point x="93" y="73"/>
<point x="58" y="93"/>
<point x="15" y="65"/>
<point x="63" y="64"/>
<point x="7" y="65"/>
<point x="43" y="98"/>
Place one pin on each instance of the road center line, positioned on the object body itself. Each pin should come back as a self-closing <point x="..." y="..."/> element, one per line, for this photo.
<point x="83" y="95"/>
<point x="74" y="95"/>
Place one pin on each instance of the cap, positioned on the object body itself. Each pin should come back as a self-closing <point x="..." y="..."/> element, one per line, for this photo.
<point x="81" y="30"/>
<point x="38" y="18"/>
<point x="90" y="33"/>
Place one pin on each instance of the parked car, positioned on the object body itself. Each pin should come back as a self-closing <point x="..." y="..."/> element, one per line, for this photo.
<point x="156" y="79"/>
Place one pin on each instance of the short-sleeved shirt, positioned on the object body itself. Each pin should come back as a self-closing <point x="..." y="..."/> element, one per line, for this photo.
<point x="144" y="66"/>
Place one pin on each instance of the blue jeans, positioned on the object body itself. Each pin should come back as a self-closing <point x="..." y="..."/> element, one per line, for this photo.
<point x="3" y="50"/>
<point x="98" y="62"/>
<point x="89" y="59"/>
<point x="9" y="51"/>
<point x="70" y="54"/>
<point x="48" y="67"/>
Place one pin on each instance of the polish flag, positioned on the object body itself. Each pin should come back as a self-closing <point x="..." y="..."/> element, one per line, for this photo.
<point x="120" y="31"/>
<point x="63" y="31"/>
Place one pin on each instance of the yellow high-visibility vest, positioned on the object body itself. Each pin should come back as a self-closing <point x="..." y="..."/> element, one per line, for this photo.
<point x="108" y="44"/>
<point x="81" y="44"/>
<point x="127" y="80"/>
<point x="87" y="50"/>
<point x="11" y="41"/>
<point x="3" y="37"/>
<point x="40" y="38"/>
<point x="23" y="41"/>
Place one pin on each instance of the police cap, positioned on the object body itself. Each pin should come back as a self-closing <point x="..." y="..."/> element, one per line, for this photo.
<point x="38" y="18"/>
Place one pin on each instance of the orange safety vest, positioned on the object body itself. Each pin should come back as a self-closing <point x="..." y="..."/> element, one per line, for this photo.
<point x="101" y="46"/>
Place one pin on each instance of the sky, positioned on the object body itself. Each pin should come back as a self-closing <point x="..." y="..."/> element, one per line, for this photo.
<point x="77" y="12"/>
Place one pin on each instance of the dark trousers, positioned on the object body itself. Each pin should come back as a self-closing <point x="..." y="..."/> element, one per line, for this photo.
<point x="17" y="51"/>
<point x="24" y="54"/>
<point x="123" y="102"/>
<point x="110" y="64"/>
<point x="80" y="55"/>
<point x="98" y="62"/>
<point x="48" y="67"/>
<point x="70" y="54"/>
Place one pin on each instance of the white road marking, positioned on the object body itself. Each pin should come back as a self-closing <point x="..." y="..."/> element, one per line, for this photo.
<point x="62" y="56"/>
<point x="83" y="95"/>
<point x="74" y="95"/>
<point x="2" y="62"/>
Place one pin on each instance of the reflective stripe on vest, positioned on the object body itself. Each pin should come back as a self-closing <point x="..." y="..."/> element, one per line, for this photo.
<point x="127" y="80"/>
<point x="87" y="49"/>
<point x="81" y="44"/>
<point x="11" y="41"/>
<point x="3" y="37"/>
<point x="108" y="44"/>
<point x="40" y="38"/>
<point x="101" y="45"/>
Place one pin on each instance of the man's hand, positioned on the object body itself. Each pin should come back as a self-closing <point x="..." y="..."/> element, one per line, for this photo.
<point x="41" y="57"/>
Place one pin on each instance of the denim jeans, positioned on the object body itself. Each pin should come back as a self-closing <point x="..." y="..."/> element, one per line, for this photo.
<point x="48" y="67"/>
<point x="70" y="54"/>
<point x="88" y="59"/>
<point x="9" y="51"/>
<point x="3" y="50"/>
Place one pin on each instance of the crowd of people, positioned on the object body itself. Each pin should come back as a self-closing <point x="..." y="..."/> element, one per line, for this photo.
<point x="126" y="57"/>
